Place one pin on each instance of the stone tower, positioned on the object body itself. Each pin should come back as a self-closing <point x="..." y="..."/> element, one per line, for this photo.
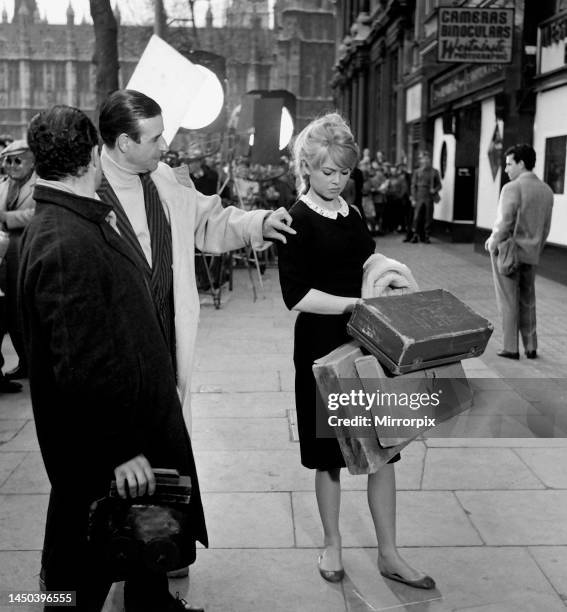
<point x="306" y="51"/>
<point x="248" y="13"/>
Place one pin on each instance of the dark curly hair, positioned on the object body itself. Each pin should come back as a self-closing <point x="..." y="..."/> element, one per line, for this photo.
<point x="61" y="139"/>
<point x="523" y="152"/>
<point x="121" y="112"/>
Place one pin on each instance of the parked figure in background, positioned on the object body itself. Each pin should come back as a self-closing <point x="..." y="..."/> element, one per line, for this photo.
<point x="425" y="188"/>
<point x="524" y="213"/>
<point x="321" y="278"/>
<point x="204" y="177"/>
<point x="357" y="177"/>
<point x="365" y="161"/>
<point x="378" y="188"/>
<point x="397" y="195"/>
<point x="16" y="211"/>
<point x="407" y="210"/>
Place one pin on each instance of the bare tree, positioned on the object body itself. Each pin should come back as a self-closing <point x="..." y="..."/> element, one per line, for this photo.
<point x="106" y="48"/>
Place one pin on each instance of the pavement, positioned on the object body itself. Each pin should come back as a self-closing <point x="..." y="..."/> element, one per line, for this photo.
<point x="485" y="516"/>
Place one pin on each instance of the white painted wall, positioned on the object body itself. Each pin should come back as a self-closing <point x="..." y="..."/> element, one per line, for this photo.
<point x="444" y="209"/>
<point x="488" y="188"/>
<point x="552" y="57"/>
<point x="551" y="120"/>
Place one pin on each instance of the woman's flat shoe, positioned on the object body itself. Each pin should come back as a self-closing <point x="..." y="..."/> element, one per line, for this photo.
<point x="423" y="583"/>
<point x="330" y="575"/>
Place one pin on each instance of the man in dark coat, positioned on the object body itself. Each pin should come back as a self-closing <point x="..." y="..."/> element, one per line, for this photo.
<point x="102" y="382"/>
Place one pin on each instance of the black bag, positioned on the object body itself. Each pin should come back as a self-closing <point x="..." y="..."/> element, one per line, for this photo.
<point x="144" y="533"/>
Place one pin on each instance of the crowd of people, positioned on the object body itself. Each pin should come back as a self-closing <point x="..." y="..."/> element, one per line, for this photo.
<point x="392" y="199"/>
<point x="101" y="305"/>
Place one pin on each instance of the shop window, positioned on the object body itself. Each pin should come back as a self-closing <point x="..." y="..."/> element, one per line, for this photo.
<point x="554" y="171"/>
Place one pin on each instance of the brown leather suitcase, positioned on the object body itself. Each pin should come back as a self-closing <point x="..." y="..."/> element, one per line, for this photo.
<point x="419" y="330"/>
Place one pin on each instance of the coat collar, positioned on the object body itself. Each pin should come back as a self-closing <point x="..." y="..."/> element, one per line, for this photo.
<point x="88" y="208"/>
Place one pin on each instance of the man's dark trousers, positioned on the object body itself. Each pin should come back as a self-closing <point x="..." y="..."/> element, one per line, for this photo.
<point x="423" y="219"/>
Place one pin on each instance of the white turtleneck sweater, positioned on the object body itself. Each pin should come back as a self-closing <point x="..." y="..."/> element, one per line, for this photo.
<point x="128" y="188"/>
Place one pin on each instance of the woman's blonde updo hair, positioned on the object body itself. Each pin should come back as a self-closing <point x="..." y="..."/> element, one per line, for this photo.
<point x="329" y="134"/>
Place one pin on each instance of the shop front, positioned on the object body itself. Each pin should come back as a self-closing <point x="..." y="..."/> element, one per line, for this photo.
<point x="467" y="126"/>
<point x="550" y="135"/>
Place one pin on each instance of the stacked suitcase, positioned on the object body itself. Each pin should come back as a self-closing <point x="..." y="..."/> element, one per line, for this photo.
<point x="413" y="342"/>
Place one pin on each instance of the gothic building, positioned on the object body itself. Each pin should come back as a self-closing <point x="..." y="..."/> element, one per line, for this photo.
<point x="305" y="54"/>
<point x="42" y="64"/>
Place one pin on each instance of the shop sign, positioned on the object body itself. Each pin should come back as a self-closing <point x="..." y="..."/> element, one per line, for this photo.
<point x="464" y="81"/>
<point x="475" y="35"/>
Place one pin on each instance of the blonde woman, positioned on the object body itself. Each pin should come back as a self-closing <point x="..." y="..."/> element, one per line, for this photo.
<point x="321" y="276"/>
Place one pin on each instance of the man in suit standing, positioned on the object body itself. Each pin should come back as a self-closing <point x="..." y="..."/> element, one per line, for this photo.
<point x="16" y="211"/>
<point x="425" y="188"/>
<point x="524" y="213"/>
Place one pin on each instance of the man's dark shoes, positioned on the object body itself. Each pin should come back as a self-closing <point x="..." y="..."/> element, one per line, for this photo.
<point x="531" y="354"/>
<point x="406" y="239"/>
<point x="17" y="373"/>
<point x="426" y="241"/>
<point x="508" y="354"/>
<point x="415" y="240"/>
<point x="9" y="386"/>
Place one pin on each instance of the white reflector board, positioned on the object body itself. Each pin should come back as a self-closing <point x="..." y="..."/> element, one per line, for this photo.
<point x="163" y="74"/>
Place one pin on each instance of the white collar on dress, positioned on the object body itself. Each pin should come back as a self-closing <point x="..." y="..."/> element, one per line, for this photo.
<point x="330" y="214"/>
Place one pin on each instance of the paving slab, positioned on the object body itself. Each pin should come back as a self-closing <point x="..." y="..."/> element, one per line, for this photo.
<point x="500" y="402"/>
<point x="241" y="405"/>
<point x="9" y="429"/>
<point x="243" y="434"/>
<point x="552" y="560"/>
<point x="253" y="470"/>
<point x="365" y="589"/>
<point x="518" y="518"/>
<point x="469" y="423"/>
<point x="467" y="468"/>
<point x="234" y="381"/>
<point x="496" y="442"/>
<point x="8" y="463"/>
<point x="262" y="580"/>
<point x="28" y="477"/>
<point x="287" y="379"/>
<point x="488" y="578"/>
<point x="548" y="464"/>
<point x="20" y="528"/>
<point x="424" y="518"/>
<point x="235" y="341"/>
<point x="19" y="571"/>
<point x="16" y="405"/>
<point x="249" y="520"/>
<point x="243" y="363"/>
<point x="24" y="440"/>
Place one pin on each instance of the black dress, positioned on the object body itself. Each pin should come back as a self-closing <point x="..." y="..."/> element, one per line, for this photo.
<point x="326" y="254"/>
